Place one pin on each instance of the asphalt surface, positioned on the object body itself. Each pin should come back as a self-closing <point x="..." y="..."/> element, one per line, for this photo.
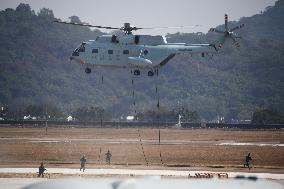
<point x="138" y="172"/>
<point x="17" y="183"/>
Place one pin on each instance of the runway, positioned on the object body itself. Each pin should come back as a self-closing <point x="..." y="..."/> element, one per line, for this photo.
<point x="18" y="183"/>
<point x="138" y="172"/>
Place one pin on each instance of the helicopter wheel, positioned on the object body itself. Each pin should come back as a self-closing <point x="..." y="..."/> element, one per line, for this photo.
<point x="88" y="70"/>
<point x="136" y="72"/>
<point x="150" y="73"/>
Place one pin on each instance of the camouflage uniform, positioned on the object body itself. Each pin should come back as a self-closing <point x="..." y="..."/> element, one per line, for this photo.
<point x="41" y="170"/>
<point x="108" y="157"/>
<point x="247" y="161"/>
<point x="83" y="162"/>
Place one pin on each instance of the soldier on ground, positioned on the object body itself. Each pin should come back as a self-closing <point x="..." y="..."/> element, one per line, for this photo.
<point x="83" y="163"/>
<point x="108" y="157"/>
<point x="247" y="161"/>
<point x="41" y="170"/>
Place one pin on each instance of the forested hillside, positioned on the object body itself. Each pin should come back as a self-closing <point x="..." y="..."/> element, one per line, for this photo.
<point x="35" y="69"/>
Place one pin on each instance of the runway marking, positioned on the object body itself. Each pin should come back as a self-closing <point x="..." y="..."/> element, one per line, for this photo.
<point x="250" y="144"/>
<point x="144" y="141"/>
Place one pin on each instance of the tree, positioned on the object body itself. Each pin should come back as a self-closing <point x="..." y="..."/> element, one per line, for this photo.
<point x="268" y="116"/>
<point x="3" y="112"/>
<point x="91" y="114"/>
<point x="22" y="7"/>
<point x="75" y="19"/>
<point x="187" y="115"/>
<point x="168" y="115"/>
<point x="44" y="12"/>
<point x="44" y="111"/>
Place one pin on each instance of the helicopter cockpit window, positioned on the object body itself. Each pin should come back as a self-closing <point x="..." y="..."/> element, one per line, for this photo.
<point x="75" y="53"/>
<point x="82" y="48"/>
<point x="95" y="51"/>
<point x="125" y="51"/>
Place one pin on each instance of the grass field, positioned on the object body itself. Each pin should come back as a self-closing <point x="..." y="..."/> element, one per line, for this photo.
<point x="196" y="149"/>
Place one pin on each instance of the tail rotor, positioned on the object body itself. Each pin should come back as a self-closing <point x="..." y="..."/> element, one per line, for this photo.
<point x="228" y="33"/>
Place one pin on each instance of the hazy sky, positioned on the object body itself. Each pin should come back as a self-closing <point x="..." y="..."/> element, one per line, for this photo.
<point x="149" y="13"/>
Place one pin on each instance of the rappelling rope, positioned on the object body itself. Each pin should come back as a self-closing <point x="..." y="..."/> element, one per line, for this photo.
<point x="156" y="86"/>
<point x="161" y="159"/>
<point x="146" y="161"/>
<point x="133" y="96"/>
<point x="158" y="108"/>
<point x="99" y="160"/>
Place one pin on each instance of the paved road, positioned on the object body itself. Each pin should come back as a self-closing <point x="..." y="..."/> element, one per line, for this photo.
<point x="18" y="183"/>
<point x="137" y="172"/>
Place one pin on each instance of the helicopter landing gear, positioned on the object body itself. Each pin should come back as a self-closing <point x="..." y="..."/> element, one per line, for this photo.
<point x="88" y="70"/>
<point x="136" y="72"/>
<point x="150" y="73"/>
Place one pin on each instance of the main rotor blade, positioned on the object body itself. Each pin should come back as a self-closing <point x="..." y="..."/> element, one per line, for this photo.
<point x="237" y="27"/>
<point x="172" y="27"/>
<point x="133" y="28"/>
<point x="87" y="25"/>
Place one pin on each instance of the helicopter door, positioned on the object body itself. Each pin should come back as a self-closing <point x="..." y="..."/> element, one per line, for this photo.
<point x="102" y="54"/>
<point x="136" y="39"/>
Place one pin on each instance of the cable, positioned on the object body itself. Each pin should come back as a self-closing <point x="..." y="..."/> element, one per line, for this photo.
<point x="99" y="160"/>
<point x="161" y="159"/>
<point x="142" y="148"/>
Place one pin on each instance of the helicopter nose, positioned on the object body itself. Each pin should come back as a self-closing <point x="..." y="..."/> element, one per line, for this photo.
<point x="77" y="59"/>
<point x="75" y="53"/>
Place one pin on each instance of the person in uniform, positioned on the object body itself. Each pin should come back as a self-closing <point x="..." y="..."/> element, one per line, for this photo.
<point x="248" y="159"/>
<point x="83" y="163"/>
<point x="41" y="170"/>
<point x="108" y="157"/>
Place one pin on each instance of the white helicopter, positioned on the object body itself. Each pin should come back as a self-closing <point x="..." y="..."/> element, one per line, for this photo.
<point x="140" y="51"/>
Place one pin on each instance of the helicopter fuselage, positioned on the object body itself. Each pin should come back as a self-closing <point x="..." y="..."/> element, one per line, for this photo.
<point x="133" y="51"/>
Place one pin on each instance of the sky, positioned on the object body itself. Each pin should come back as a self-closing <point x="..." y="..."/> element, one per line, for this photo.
<point x="149" y="13"/>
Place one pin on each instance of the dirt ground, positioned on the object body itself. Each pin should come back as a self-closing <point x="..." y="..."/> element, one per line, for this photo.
<point x="63" y="147"/>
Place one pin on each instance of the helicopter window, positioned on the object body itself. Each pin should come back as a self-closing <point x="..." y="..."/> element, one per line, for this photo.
<point x="82" y="48"/>
<point x="95" y="51"/>
<point x="110" y="51"/>
<point x="125" y="51"/>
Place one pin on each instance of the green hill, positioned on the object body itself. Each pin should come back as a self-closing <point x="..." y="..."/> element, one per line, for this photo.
<point x="35" y="69"/>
